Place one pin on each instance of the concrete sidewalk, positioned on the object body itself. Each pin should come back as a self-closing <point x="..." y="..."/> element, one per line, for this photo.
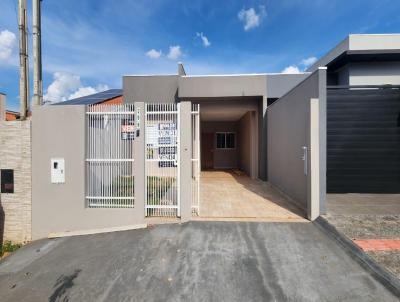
<point x="372" y="220"/>
<point x="197" y="261"/>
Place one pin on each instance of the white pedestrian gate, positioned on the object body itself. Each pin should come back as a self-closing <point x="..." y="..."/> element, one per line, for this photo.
<point x="162" y="160"/>
<point x="195" y="113"/>
<point x="109" y="156"/>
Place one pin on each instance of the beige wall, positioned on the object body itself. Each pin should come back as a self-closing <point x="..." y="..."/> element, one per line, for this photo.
<point x="245" y="145"/>
<point x="291" y="126"/>
<point x="59" y="131"/>
<point x="15" y="153"/>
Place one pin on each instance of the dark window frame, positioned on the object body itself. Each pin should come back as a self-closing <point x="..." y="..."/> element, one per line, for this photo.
<point x="225" y="139"/>
<point x="7" y="181"/>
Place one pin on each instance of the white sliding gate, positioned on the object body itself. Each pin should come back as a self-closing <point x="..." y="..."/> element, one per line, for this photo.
<point x="195" y="113"/>
<point x="162" y="160"/>
<point x="109" y="156"/>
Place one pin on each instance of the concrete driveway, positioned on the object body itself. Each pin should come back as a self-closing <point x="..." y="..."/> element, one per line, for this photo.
<point x="228" y="194"/>
<point x="197" y="261"/>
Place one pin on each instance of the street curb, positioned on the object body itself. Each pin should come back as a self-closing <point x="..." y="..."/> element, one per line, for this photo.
<point x="97" y="231"/>
<point x="378" y="272"/>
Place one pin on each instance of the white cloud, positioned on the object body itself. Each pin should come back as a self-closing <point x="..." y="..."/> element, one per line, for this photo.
<point x="251" y="18"/>
<point x="154" y="54"/>
<point x="204" y="39"/>
<point x="309" y="61"/>
<point x="66" y="86"/>
<point x="305" y="62"/>
<point x="291" y="69"/>
<point x="8" y="42"/>
<point x="174" y="52"/>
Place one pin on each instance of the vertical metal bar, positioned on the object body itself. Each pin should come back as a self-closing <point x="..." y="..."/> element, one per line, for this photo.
<point x="145" y="159"/>
<point x="178" y="140"/>
<point x="198" y="159"/>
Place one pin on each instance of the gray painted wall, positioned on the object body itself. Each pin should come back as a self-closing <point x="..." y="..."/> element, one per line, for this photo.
<point x="222" y="86"/>
<point x="343" y="76"/>
<point x="374" y="73"/>
<point x="151" y="89"/>
<point x="223" y="159"/>
<point x="59" y="131"/>
<point x="244" y="145"/>
<point x="280" y="84"/>
<point x="288" y="131"/>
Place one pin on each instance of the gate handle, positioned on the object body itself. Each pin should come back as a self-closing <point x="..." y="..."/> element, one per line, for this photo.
<point x="304" y="158"/>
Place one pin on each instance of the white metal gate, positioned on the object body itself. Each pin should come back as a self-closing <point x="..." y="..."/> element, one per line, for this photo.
<point x="162" y="160"/>
<point x="195" y="113"/>
<point x="109" y="156"/>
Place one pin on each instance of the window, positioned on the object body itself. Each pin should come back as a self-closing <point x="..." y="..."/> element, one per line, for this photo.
<point x="226" y="140"/>
<point x="7" y="181"/>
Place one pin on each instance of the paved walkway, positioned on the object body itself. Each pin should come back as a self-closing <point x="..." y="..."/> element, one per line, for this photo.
<point x="226" y="194"/>
<point x="197" y="261"/>
<point x="372" y="221"/>
<point x="363" y="204"/>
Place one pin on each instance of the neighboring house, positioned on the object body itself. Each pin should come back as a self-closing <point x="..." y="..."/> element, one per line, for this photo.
<point x="363" y="60"/>
<point x="334" y="128"/>
<point x="6" y="115"/>
<point x="363" y="113"/>
<point x="12" y="115"/>
<point x="108" y="97"/>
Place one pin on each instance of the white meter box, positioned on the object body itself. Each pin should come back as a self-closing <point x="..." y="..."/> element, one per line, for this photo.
<point x="57" y="170"/>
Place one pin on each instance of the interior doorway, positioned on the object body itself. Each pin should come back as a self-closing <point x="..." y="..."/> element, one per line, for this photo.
<point x="207" y="151"/>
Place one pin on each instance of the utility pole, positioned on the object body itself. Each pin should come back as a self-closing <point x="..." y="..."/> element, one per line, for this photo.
<point x="23" y="58"/>
<point x="37" y="54"/>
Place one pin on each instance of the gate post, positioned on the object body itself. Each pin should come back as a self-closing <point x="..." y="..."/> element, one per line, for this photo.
<point x="139" y="156"/>
<point x="185" y="165"/>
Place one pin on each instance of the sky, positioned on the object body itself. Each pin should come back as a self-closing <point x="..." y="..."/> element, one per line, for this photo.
<point x="89" y="45"/>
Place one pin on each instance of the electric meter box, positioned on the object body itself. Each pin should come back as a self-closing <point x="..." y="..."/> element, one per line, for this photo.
<point x="57" y="170"/>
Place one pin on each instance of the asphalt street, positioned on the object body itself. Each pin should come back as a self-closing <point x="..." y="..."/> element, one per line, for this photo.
<point x="196" y="261"/>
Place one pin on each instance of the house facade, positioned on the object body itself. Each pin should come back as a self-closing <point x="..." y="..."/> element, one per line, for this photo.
<point x="102" y="166"/>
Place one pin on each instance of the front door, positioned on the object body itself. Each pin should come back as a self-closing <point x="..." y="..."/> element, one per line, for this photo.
<point x="207" y="151"/>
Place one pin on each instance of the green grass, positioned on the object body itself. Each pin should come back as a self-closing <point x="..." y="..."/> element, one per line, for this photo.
<point x="9" y="247"/>
<point x="123" y="185"/>
<point x="157" y="187"/>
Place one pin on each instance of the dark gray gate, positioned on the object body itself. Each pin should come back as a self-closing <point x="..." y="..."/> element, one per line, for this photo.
<point x="363" y="140"/>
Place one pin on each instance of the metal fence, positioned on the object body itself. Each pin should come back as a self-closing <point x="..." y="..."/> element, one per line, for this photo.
<point x="195" y="112"/>
<point x="162" y="160"/>
<point x="109" y="156"/>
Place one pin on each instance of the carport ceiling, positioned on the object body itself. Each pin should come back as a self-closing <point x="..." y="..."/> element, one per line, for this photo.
<point x="225" y="111"/>
<point x="221" y="114"/>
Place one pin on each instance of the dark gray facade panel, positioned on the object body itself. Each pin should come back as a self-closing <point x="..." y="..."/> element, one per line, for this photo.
<point x="280" y="84"/>
<point x="363" y="150"/>
<point x="222" y="86"/>
<point x="150" y="89"/>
